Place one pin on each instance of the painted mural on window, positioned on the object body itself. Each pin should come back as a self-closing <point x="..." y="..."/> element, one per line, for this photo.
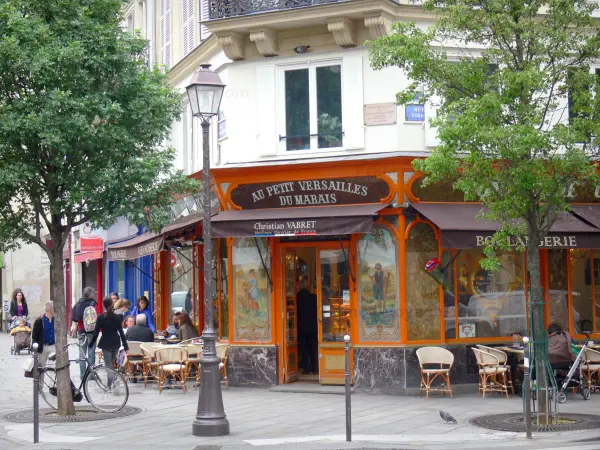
<point x="378" y="286"/>
<point x="252" y="306"/>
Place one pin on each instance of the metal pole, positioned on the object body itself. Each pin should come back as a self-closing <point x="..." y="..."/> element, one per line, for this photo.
<point x="210" y="417"/>
<point x="348" y="400"/>
<point x="526" y="389"/>
<point x="36" y="396"/>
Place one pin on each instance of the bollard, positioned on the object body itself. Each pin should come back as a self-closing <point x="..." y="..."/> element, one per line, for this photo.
<point x="526" y="389"/>
<point x="36" y="396"/>
<point x="348" y="403"/>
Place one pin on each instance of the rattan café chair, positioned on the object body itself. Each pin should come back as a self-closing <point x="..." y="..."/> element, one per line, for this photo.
<point x="172" y="361"/>
<point x="435" y="363"/>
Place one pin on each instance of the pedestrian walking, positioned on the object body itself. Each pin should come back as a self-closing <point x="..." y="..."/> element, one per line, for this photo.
<point x="111" y="325"/>
<point x="18" y="305"/>
<point x="43" y="334"/>
<point x="84" y="324"/>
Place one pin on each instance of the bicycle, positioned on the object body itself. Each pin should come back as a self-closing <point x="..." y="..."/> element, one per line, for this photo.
<point x="101" y="385"/>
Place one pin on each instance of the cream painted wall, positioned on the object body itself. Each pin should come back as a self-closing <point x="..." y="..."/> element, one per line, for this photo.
<point x="28" y="269"/>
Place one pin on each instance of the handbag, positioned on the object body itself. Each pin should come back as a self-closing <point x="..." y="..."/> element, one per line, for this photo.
<point x="28" y="367"/>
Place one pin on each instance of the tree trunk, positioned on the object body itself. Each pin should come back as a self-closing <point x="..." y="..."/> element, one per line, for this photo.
<point x="537" y="313"/>
<point x="57" y="294"/>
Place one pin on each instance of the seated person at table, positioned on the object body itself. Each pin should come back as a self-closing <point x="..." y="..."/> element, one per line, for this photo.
<point x="173" y="329"/>
<point x="560" y="351"/>
<point x="187" y="330"/>
<point x="140" y="332"/>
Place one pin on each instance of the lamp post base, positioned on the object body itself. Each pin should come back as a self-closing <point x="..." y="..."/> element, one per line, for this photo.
<point x="210" y="427"/>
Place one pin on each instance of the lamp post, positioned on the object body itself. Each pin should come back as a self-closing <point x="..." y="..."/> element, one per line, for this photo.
<point x="204" y="93"/>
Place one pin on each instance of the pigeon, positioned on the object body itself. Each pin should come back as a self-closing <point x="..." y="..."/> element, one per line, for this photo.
<point x="447" y="417"/>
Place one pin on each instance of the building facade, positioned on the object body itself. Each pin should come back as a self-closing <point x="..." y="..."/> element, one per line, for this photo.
<point x="313" y="181"/>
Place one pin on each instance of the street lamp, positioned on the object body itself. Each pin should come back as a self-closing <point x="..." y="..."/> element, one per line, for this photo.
<point x="205" y="92"/>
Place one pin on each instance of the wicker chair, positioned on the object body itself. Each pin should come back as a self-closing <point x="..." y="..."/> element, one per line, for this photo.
<point x="172" y="361"/>
<point x="591" y="366"/>
<point x="223" y="353"/>
<point x="503" y="360"/>
<point x="194" y="355"/>
<point x="492" y="375"/>
<point x="148" y="363"/>
<point x="435" y="356"/>
<point x="135" y="358"/>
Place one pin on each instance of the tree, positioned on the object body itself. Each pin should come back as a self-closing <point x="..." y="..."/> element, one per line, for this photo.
<point x="82" y="126"/>
<point x="518" y="118"/>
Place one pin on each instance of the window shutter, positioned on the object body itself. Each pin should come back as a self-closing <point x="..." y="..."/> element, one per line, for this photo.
<point x="204" y="15"/>
<point x="352" y="102"/>
<point x="165" y="32"/>
<point x="266" y="111"/>
<point x="188" y="26"/>
<point x="431" y="139"/>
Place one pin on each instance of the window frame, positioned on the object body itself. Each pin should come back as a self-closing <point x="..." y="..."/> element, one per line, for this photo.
<point x="312" y="98"/>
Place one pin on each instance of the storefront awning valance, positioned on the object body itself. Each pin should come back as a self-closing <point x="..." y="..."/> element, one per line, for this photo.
<point x="87" y="256"/>
<point x="142" y="245"/>
<point x="320" y="220"/>
<point x="461" y="229"/>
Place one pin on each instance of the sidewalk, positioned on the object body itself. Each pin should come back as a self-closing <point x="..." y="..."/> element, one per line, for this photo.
<point x="272" y="420"/>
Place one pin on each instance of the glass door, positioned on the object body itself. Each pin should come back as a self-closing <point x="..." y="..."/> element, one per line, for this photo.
<point x="334" y="313"/>
<point x="290" y="329"/>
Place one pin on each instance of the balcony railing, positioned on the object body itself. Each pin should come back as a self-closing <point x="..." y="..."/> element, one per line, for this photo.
<point x="220" y="9"/>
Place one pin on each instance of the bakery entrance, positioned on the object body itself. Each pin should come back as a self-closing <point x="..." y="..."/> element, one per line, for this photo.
<point x="315" y="295"/>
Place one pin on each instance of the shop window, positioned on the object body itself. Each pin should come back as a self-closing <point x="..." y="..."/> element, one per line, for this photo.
<point x="437" y="192"/>
<point x="313" y="107"/>
<point x="181" y="281"/>
<point x="450" y="307"/>
<point x="251" y="291"/>
<point x="488" y="303"/>
<point x="559" y="287"/>
<point x="379" y="317"/>
<point x="584" y="289"/>
<point x="422" y="290"/>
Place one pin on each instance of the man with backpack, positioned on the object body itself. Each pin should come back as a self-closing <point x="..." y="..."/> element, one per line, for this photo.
<point x="84" y="323"/>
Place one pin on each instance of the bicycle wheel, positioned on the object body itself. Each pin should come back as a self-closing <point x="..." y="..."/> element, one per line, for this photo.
<point x="106" y="389"/>
<point x="48" y="387"/>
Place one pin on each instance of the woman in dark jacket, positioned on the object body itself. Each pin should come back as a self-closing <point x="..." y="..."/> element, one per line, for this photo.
<point x="112" y="333"/>
<point x="18" y="304"/>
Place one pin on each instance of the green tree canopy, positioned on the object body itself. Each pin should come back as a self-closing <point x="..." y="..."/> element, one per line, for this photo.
<point x="518" y="115"/>
<point x="83" y="121"/>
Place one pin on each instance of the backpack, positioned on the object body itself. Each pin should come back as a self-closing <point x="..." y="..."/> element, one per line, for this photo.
<point x="90" y="316"/>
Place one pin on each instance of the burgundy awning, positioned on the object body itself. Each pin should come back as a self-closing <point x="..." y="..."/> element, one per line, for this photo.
<point x="321" y="220"/>
<point x="461" y="228"/>
<point x="142" y="245"/>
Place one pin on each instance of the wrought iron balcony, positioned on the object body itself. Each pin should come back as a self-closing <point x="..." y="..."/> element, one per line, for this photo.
<point x="220" y="9"/>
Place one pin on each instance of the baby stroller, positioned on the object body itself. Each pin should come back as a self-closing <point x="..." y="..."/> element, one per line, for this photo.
<point x="572" y="377"/>
<point x="21" y="342"/>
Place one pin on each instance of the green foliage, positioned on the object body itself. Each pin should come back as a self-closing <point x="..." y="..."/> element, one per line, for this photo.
<point x="82" y="120"/>
<point x="499" y="71"/>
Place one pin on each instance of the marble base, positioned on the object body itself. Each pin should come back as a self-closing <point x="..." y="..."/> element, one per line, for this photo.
<point x="396" y="370"/>
<point x="252" y="366"/>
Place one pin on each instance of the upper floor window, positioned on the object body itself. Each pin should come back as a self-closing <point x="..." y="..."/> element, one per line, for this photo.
<point x="187" y="15"/>
<point x="165" y="33"/>
<point x="578" y="98"/>
<point x="313" y="107"/>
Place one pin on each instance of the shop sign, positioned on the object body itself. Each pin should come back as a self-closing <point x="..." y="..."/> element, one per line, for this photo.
<point x="414" y="113"/>
<point x="92" y="244"/>
<point x="293" y="227"/>
<point x="547" y="242"/>
<point x="319" y="192"/>
<point x="136" y="251"/>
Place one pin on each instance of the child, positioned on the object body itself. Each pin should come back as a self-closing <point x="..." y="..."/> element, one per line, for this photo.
<point x="22" y="327"/>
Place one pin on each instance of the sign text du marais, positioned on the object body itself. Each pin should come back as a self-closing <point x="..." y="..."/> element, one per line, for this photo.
<point x="319" y="192"/>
